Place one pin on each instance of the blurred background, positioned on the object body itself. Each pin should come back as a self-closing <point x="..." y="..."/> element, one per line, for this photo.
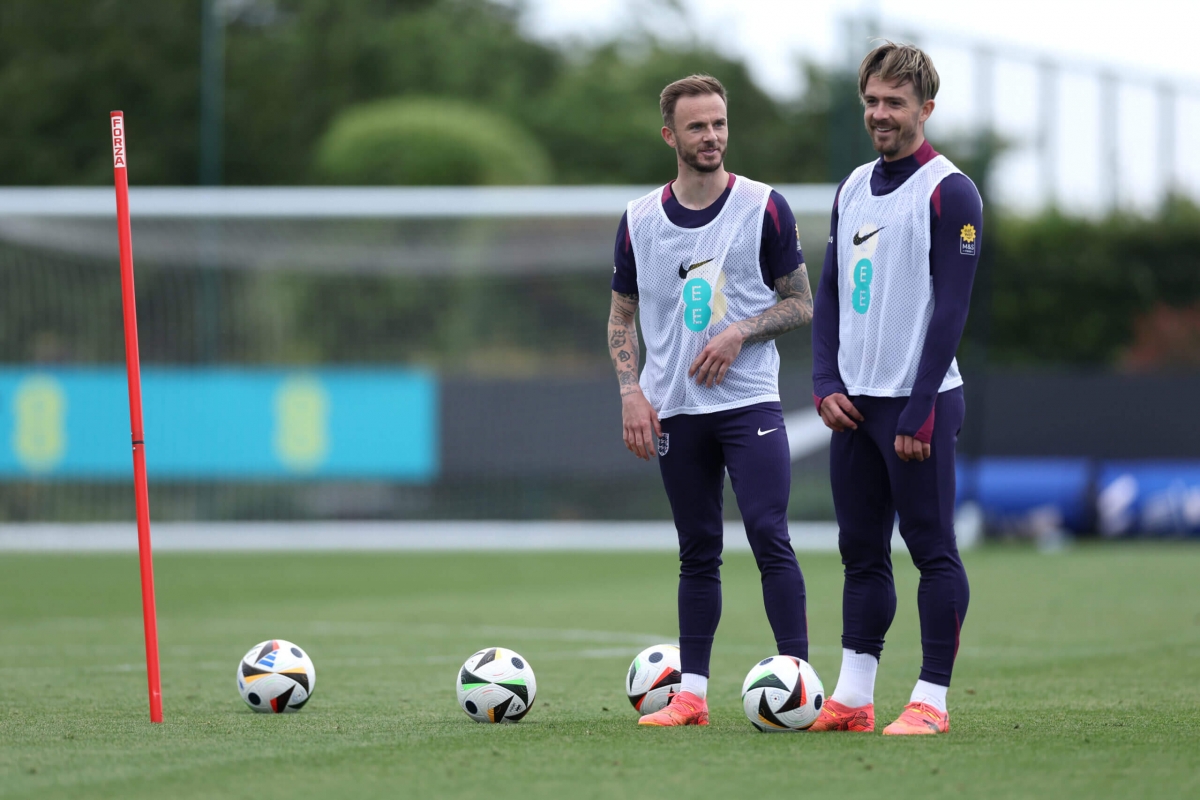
<point x="373" y="244"/>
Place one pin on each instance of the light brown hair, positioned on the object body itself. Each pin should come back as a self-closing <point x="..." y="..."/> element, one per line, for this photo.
<point x="902" y="63"/>
<point x="691" y="86"/>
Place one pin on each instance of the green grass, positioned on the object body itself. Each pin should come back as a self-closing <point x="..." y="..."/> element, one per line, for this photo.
<point x="1077" y="677"/>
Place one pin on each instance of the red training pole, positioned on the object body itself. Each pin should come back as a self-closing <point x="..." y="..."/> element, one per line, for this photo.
<point x="134" y="371"/>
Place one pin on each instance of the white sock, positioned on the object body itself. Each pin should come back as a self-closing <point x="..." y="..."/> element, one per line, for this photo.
<point x="856" y="682"/>
<point x="930" y="694"/>
<point x="696" y="684"/>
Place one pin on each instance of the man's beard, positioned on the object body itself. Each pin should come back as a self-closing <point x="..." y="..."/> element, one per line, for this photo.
<point x="693" y="160"/>
<point x="901" y="138"/>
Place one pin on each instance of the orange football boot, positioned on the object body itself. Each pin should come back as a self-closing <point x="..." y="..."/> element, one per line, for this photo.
<point x="837" y="717"/>
<point x="919" y="718"/>
<point x="685" y="708"/>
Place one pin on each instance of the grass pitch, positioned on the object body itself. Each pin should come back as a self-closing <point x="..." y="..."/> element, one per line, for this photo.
<point x="1078" y="676"/>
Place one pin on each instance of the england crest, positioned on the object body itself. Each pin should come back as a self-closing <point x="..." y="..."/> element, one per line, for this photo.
<point x="664" y="444"/>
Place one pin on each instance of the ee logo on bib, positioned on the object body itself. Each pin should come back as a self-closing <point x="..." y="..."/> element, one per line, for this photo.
<point x="861" y="297"/>
<point x="866" y="240"/>
<point x="696" y="310"/>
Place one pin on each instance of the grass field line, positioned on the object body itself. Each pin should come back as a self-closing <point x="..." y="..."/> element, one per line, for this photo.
<point x="455" y="631"/>
<point x="494" y="636"/>
<point x="172" y="656"/>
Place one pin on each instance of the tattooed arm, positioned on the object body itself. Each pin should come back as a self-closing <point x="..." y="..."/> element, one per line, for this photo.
<point x="638" y="418"/>
<point x="795" y="308"/>
<point x="623" y="341"/>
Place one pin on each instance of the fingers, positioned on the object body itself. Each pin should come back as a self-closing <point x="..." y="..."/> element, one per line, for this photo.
<point x="632" y="436"/>
<point x="847" y="407"/>
<point x="709" y="368"/>
<point x="640" y="427"/>
<point x="835" y="418"/>
<point x="828" y="418"/>
<point x="706" y="371"/>
<point x="641" y="439"/>
<point x="843" y="420"/>
<point x="909" y="448"/>
<point x="721" y="373"/>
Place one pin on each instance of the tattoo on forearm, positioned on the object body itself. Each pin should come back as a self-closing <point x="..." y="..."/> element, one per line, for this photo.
<point x="625" y="303"/>
<point x="623" y="341"/>
<point x="795" y="308"/>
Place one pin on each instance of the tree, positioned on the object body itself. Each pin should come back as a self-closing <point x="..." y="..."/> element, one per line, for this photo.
<point x="426" y="141"/>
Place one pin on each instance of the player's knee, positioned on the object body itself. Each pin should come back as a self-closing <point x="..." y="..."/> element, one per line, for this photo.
<point x="700" y="559"/>
<point x="770" y="540"/>
<point x="934" y="556"/>
<point x="858" y="554"/>
<point x="700" y="568"/>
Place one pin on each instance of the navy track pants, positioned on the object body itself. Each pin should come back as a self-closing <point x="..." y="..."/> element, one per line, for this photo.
<point x="871" y="486"/>
<point x="694" y="454"/>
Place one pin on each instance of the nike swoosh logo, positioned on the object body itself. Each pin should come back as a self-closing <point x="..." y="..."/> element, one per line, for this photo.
<point x="761" y="432"/>
<point x="860" y="239"/>
<point x="683" y="272"/>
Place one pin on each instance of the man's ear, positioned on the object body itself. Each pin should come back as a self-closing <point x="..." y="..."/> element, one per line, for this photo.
<point x="927" y="110"/>
<point x="668" y="136"/>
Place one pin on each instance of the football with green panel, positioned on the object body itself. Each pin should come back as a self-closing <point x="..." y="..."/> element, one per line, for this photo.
<point x="654" y="678"/>
<point x="782" y="693"/>
<point x="496" y="685"/>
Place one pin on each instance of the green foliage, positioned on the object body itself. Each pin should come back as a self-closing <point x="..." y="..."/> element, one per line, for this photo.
<point x="287" y="81"/>
<point x="310" y="94"/>
<point x="601" y="119"/>
<point x="293" y="66"/>
<point x="1068" y="290"/>
<point x="429" y="142"/>
<point x="63" y="69"/>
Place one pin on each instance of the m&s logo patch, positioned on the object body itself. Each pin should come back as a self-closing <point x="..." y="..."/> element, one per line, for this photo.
<point x="966" y="240"/>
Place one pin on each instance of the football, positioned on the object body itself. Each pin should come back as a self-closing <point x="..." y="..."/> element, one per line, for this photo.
<point x="276" y="677"/>
<point x="654" y="676"/>
<point x="496" y="685"/>
<point x="782" y="693"/>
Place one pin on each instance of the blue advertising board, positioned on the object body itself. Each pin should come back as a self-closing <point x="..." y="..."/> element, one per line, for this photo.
<point x="1009" y="489"/>
<point x="221" y="423"/>
<point x="1148" y="497"/>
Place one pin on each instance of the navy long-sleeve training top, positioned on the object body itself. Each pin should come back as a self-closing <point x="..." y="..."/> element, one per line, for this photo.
<point x="954" y="204"/>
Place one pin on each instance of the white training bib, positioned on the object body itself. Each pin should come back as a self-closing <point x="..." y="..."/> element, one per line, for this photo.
<point x="692" y="284"/>
<point x="885" y="290"/>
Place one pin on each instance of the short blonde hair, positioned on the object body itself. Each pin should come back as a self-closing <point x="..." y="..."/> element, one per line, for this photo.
<point x="691" y="86"/>
<point x="900" y="63"/>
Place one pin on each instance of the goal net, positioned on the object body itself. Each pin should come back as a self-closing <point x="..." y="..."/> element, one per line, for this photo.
<point x="333" y="353"/>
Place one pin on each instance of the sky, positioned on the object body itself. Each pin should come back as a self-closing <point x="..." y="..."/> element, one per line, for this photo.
<point x="1087" y="126"/>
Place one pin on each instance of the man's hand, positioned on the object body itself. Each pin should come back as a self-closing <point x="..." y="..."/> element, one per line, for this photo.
<point x="839" y="414"/>
<point x="714" y="360"/>
<point x="911" y="449"/>
<point x="641" y="425"/>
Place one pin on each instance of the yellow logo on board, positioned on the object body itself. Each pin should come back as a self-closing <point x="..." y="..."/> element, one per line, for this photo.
<point x="301" y="423"/>
<point x="39" y="437"/>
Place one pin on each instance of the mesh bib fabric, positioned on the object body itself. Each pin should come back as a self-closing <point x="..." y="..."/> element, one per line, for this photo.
<point x="885" y="291"/>
<point x="692" y="284"/>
